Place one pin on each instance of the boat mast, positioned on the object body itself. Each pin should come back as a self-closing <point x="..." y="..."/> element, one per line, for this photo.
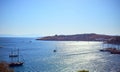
<point x="11" y="57"/>
<point x="18" y="55"/>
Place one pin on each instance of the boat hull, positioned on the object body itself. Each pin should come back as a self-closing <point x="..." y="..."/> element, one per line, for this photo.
<point x="13" y="55"/>
<point x="16" y="64"/>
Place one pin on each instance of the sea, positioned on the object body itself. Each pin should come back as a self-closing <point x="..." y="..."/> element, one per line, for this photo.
<point x="70" y="56"/>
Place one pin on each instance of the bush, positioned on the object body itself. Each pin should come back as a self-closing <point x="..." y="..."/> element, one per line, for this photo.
<point x="82" y="71"/>
<point x="5" y="68"/>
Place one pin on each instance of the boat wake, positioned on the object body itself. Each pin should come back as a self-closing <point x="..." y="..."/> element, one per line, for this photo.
<point x="81" y="53"/>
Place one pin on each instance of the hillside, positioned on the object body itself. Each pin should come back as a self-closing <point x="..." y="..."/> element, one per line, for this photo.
<point x="78" y="37"/>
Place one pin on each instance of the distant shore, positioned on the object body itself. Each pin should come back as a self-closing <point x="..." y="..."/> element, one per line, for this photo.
<point x="80" y="37"/>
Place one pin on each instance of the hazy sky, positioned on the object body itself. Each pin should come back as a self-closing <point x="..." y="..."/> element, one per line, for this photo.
<point x="49" y="17"/>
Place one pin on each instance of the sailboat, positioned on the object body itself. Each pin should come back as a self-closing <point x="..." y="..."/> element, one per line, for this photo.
<point x="14" y="53"/>
<point x="17" y="63"/>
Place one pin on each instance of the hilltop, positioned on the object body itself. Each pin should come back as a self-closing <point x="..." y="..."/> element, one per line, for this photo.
<point x="78" y="37"/>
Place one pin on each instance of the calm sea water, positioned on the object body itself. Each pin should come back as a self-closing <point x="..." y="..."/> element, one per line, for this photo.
<point x="71" y="56"/>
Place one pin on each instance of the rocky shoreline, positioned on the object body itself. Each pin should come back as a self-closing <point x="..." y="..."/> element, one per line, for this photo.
<point x="111" y="50"/>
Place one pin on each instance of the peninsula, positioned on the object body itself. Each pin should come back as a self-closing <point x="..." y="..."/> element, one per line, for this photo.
<point x="78" y="37"/>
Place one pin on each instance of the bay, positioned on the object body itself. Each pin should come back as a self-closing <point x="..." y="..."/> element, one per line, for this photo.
<point x="70" y="56"/>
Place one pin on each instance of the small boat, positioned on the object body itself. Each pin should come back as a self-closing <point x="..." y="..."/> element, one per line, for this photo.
<point x="115" y="51"/>
<point x="103" y="50"/>
<point x="17" y="63"/>
<point x="54" y="50"/>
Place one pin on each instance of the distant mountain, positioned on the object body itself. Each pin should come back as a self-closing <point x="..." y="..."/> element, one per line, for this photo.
<point x="29" y="35"/>
<point x="6" y="35"/>
<point x="78" y="37"/>
<point x="25" y="35"/>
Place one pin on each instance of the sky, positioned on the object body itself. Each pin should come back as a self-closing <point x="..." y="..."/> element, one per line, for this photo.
<point x="50" y="17"/>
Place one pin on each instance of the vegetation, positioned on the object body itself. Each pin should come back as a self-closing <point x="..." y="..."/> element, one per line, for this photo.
<point x="5" y="68"/>
<point x="82" y="71"/>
